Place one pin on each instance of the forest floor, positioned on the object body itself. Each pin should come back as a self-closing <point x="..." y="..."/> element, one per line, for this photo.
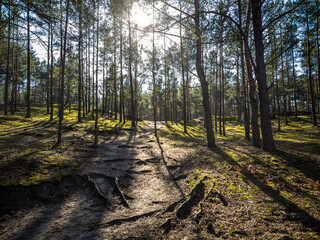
<point x="133" y="186"/>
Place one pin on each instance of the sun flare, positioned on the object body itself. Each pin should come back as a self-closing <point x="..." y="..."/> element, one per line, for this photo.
<point x="141" y="17"/>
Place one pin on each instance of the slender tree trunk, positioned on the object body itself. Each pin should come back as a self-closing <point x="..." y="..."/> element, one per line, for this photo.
<point x="294" y="85"/>
<point x="154" y="92"/>
<point x="115" y="70"/>
<point x="238" y="92"/>
<point x="203" y="82"/>
<point x="184" y="105"/>
<point x="284" y="94"/>
<point x="268" y="141"/>
<point x="222" y="86"/>
<point x="313" y="108"/>
<point x="6" y="85"/>
<point x="165" y="80"/>
<point x="48" y="70"/>
<point x="51" y="70"/>
<point x="133" y="120"/>
<point x="28" y="61"/>
<point x="93" y="72"/>
<point x="80" y="62"/>
<point x="97" y="71"/>
<point x="318" y="51"/>
<point x="89" y="71"/>
<point x="12" y="70"/>
<point x="122" y="117"/>
<point x="62" y="76"/>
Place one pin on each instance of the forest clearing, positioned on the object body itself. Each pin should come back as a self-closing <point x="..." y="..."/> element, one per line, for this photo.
<point x="159" y="119"/>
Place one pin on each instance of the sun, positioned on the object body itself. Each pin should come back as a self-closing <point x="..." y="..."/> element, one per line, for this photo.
<point x="140" y="16"/>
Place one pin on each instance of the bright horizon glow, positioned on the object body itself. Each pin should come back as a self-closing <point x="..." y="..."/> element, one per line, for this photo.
<point x="140" y="17"/>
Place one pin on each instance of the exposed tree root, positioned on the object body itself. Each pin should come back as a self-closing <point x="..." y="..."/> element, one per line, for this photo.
<point x="222" y="198"/>
<point x="125" y="202"/>
<point x="173" y="205"/>
<point x="127" y="219"/>
<point x="197" y="217"/>
<point x="196" y="195"/>
<point x="139" y="172"/>
<point x="210" y="191"/>
<point x="166" y="226"/>
<point x="126" y="146"/>
<point x="116" y="182"/>
<point x="99" y="191"/>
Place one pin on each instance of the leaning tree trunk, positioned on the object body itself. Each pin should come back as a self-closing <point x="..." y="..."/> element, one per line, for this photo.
<point x="203" y="81"/>
<point x="267" y="137"/>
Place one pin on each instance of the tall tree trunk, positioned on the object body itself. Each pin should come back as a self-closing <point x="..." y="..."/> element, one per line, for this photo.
<point x="115" y="70"/>
<point x="184" y="105"/>
<point x="62" y="76"/>
<point x="244" y="88"/>
<point x="268" y="141"/>
<point x="97" y="71"/>
<point x="28" y="61"/>
<point x="284" y="94"/>
<point x="294" y="85"/>
<point x="122" y="117"/>
<point x="238" y="92"/>
<point x="48" y="70"/>
<point x="93" y="72"/>
<point x="165" y="80"/>
<point x="133" y="120"/>
<point x="80" y="61"/>
<point x="12" y="70"/>
<point x="51" y="70"/>
<point x="89" y="71"/>
<point x="318" y="51"/>
<point x="253" y="101"/>
<point x="313" y="107"/>
<point x="6" y="85"/>
<point x="203" y="82"/>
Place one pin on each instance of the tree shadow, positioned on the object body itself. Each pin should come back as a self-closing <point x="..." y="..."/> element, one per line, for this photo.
<point x="307" y="219"/>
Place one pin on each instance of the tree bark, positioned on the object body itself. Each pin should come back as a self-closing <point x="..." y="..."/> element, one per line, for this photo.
<point x="203" y="82"/>
<point x="268" y="141"/>
<point x="96" y="92"/>
<point x="133" y="120"/>
<point x="244" y="89"/>
<point x="28" y="61"/>
<point x="313" y="108"/>
<point x="184" y="105"/>
<point x="61" y="109"/>
<point x="80" y="61"/>
<point x="6" y="85"/>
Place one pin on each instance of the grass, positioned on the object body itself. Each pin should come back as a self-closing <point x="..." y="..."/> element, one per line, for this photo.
<point x="290" y="175"/>
<point x="28" y="151"/>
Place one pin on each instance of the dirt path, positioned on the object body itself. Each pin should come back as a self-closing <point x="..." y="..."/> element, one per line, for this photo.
<point x="123" y="182"/>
